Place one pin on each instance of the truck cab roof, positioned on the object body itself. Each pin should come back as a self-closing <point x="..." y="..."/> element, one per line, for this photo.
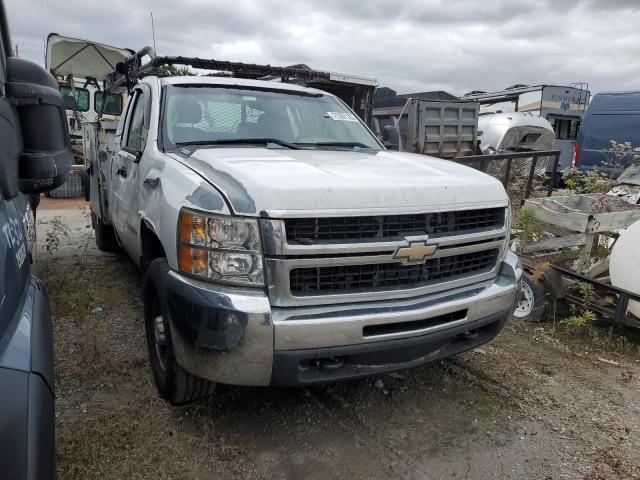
<point x="240" y="82"/>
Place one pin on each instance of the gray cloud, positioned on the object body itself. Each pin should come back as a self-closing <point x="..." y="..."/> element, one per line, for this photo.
<point x="414" y="45"/>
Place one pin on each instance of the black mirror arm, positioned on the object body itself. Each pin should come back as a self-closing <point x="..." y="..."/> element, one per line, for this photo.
<point x="136" y="154"/>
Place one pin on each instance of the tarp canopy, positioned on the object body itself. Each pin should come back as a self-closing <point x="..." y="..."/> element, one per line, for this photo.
<point x="82" y="58"/>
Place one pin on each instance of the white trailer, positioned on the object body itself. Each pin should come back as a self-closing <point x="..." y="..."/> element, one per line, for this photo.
<point x="562" y="106"/>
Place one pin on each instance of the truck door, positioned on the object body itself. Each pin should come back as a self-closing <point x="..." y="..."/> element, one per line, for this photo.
<point x="125" y="171"/>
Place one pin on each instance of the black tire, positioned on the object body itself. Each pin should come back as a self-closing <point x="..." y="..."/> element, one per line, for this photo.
<point x="533" y="303"/>
<point x="105" y="235"/>
<point x="174" y="383"/>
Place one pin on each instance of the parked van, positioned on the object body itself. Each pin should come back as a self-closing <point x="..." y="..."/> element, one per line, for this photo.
<point x="610" y="116"/>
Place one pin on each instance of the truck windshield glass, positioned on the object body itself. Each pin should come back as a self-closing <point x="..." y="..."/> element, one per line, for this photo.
<point x="112" y="106"/>
<point x="226" y="116"/>
<point x="81" y="98"/>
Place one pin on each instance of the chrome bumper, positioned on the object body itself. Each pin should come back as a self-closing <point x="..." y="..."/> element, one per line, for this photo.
<point x="231" y="335"/>
<point x="220" y="333"/>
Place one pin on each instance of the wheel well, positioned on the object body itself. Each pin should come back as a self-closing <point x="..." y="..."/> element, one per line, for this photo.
<point x="151" y="246"/>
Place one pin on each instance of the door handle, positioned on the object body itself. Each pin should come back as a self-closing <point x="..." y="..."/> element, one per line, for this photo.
<point x="151" y="182"/>
<point x="122" y="172"/>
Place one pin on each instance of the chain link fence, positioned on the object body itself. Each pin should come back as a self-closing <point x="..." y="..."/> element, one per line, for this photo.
<point x="73" y="187"/>
<point x="524" y="175"/>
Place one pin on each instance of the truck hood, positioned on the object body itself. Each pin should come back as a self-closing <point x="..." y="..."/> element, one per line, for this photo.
<point x="277" y="182"/>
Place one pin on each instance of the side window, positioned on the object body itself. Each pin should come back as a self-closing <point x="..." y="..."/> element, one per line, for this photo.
<point x="124" y="117"/>
<point x="137" y="135"/>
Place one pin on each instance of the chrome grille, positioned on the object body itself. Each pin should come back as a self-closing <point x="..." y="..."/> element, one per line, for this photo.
<point x="388" y="276"/>
<point x="309" y="230"/>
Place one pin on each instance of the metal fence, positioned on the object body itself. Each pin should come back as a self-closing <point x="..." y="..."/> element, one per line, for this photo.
<point x="524" y="175"/>
<point x="72" y="188"/>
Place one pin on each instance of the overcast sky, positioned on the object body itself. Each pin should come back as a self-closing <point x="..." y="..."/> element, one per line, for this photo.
<point x="409" y="45"/>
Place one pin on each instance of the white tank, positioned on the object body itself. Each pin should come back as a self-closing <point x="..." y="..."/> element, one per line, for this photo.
<point x="624" y="264"/>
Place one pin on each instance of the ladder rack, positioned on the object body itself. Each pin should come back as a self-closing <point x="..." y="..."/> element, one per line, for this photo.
<point x="128" y="72"/>
<point x="583" y="94"/>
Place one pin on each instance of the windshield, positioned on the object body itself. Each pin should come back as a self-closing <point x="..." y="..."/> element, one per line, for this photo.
<point x="228" y="116"/>
<point x="81" y="98"/>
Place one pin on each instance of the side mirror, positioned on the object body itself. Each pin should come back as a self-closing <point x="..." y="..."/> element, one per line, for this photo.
<point x="391" y="137"/>
<point x="46" y="155"/>
<point x="112" y="103"/>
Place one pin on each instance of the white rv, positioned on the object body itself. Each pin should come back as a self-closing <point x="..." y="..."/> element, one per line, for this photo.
<point x="562" y="106"/>
<point x="514" y="132"/>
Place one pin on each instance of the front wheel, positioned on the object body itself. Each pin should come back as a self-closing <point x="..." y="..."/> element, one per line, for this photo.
<point x="174" y="383"/>
<point x="533" y="303"/>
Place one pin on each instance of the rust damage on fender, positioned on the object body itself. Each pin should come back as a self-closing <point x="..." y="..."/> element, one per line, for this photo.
<point x="237" y="194"/>
<point x="206" y="198"/>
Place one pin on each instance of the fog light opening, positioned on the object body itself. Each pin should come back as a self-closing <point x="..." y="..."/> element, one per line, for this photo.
<point x="325" y="363"/>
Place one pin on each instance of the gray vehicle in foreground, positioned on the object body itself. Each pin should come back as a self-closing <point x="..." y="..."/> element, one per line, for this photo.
<point x="35" y="156"/>
<point x="281" y="244"/>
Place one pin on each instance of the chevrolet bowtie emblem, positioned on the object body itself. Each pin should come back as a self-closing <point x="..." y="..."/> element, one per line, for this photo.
<point x="416" y="251"/>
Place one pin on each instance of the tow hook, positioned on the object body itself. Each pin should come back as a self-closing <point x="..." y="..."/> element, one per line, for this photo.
<point x="469" y="335"/>
<point x="331" y="363"/>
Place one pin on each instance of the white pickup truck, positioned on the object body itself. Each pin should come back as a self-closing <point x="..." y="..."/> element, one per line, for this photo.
<point x="282" y="244"/>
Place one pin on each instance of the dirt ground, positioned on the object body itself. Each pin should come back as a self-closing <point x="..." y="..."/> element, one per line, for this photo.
<point x="539" y="402"/>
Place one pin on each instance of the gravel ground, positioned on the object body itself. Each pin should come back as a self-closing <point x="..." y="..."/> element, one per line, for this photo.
<point x="535" y="403"/>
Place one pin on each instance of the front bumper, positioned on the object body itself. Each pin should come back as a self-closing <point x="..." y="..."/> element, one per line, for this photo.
<point x="233" y="335"/>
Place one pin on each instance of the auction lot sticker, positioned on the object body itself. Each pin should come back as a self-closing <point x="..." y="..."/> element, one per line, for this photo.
<point x="342" y="116"/>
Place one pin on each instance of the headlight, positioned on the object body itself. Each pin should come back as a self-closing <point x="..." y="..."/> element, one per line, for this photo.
<point x="220" y="248"/>
<point x="507" y="236"/>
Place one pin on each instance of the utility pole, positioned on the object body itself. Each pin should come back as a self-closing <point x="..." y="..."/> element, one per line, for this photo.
<point x="153" y="32"/>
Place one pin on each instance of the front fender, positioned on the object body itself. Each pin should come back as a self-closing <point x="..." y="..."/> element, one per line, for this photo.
<point x="166" y="187"/>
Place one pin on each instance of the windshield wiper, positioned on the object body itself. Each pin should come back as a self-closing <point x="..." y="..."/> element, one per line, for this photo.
<point x="241" y="141"/>
<point x="337" y="144"/>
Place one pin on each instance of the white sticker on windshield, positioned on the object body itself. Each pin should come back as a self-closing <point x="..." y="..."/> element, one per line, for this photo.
<point x="342" y="116"/>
